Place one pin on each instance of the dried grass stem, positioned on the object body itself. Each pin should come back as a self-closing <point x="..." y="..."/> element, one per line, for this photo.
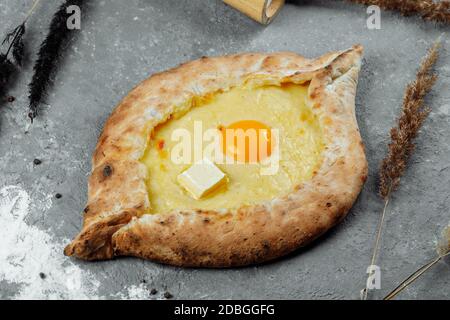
<point x="413" y="277"/>
<point x="401" y="147"/>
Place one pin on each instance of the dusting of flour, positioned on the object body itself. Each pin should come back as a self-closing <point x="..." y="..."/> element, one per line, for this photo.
<point x="26" y="251"/>
<point x="134" y="293"/>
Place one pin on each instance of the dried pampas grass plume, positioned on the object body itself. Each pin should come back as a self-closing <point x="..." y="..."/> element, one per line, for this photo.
<point x="437" y="11"/>
<point x="443" y="247"/>
<point x="412" y="116"/>
<point x="401" y="147"/>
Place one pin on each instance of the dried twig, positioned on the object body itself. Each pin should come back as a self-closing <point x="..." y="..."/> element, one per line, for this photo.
<point x="443" y="250"/>
<point x="16" y="45"/>
<point x="438" y="11"/>
<point x="402" y="145"/>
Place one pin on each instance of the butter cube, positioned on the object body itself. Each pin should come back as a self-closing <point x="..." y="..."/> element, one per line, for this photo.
<point x="202" y="178"/>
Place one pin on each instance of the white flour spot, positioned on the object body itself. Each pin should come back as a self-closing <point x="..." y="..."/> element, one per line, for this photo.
<point x="139" y="292"/>
<point x="26" y="252"/>
<point x="31" y="259"/>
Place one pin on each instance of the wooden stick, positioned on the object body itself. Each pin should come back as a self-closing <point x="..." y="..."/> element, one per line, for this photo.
<point x="262" y="11"/>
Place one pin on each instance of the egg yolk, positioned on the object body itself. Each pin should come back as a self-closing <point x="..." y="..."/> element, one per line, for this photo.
<point x="247" y="141"/>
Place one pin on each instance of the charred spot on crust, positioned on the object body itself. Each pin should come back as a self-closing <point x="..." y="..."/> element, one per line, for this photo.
<point x="313" y="94"/>
<point x="361" y="143"/>
<point x="107" y="171"/>
<point x="236" y="257"/>
<point x="103" y="140"/>
<point x="86" y="210"/>
<point x="329" y="204"/>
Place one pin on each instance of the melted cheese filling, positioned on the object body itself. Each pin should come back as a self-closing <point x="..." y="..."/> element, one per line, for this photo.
<point x="282" y="108"/>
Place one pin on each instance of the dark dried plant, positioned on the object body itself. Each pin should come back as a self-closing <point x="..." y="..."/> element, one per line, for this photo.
<point x="15" y="52"/>
<point x="438" y="11"/>
<point x="402" y="145"/>
<point x="49" y="53"/>
<point x="16" y="47"/>
<point x="7" y="68"/>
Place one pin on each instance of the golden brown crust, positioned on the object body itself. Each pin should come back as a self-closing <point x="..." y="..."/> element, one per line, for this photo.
<point x="117" y="189"/>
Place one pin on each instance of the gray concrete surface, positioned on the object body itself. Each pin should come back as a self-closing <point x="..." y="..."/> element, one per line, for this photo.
<point x="123" y="42"/>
